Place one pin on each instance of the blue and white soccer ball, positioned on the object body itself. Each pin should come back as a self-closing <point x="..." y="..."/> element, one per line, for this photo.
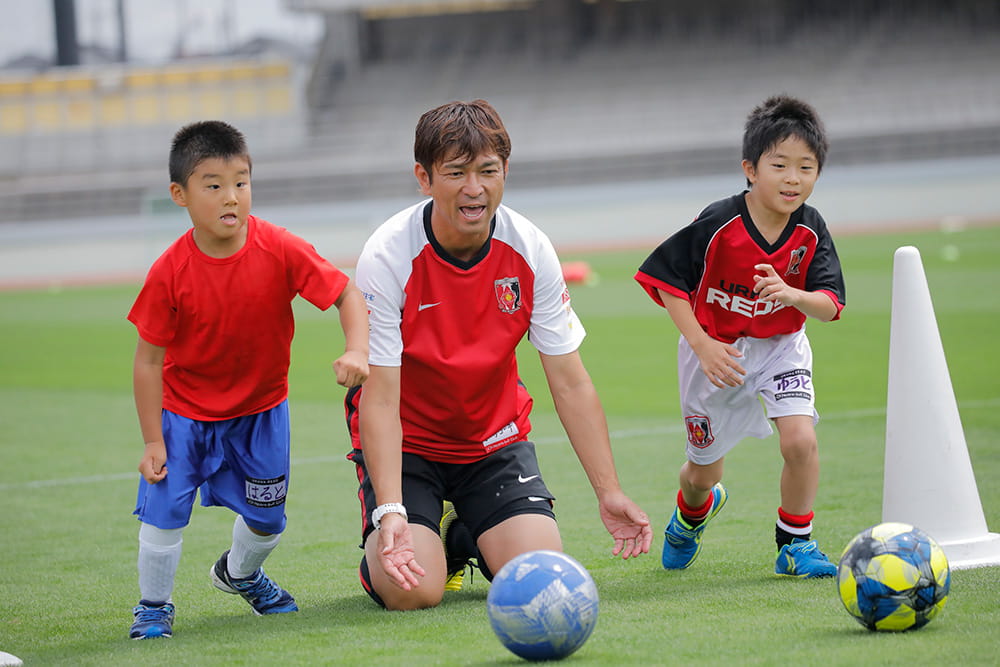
<point x="542" y="605"/>
<point x="893" y="577"/>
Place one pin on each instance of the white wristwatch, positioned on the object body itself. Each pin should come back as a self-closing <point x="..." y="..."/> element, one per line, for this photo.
<point x="387" y="508"/>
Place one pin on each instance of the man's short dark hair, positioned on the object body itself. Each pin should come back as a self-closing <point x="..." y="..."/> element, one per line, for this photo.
<point x="460" y="129"/>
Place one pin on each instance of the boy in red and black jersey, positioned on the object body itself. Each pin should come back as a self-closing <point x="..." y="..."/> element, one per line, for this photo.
<point x="739" y="283"/>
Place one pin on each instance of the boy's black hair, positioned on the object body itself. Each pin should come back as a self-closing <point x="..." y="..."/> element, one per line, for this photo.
<point x="201" y="141"/>
<point x="778" y="118"/>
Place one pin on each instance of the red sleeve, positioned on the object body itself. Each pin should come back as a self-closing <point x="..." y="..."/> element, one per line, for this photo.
<point x="154" y="312"/>
<point x="836" y="302"/>
<point x="311" y="276"/>
<point x="651" y="285"/>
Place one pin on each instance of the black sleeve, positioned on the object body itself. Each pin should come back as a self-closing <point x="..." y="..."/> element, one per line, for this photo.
<point x="676" y="262"/>
<point x="824" y="271"/>
<point x="680" y="260"/>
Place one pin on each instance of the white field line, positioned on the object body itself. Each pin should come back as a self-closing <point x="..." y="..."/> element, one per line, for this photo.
<point x="624" y="434"/>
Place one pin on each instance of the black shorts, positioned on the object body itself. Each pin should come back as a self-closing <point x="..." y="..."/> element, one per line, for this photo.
<point x="504" y="484"/>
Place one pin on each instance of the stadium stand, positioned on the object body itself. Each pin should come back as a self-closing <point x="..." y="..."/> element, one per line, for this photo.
<point x="590" y="90"/>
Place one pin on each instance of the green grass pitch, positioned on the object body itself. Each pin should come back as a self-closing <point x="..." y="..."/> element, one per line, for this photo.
<point x="69" y="446"/>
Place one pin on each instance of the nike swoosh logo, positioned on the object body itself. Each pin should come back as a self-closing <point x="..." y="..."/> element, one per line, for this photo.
<point x="525" y="480"/>
<point x="425" y="306"/>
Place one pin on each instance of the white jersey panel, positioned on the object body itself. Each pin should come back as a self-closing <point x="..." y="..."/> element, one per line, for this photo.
<point x="382" y="272"/>
<point x="386" y="261"/>
<point x="555" y="327"/>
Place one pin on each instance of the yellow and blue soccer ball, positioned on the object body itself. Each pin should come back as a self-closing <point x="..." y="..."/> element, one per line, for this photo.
<point x="542" y="605"/>
<point x="894" y="577"/>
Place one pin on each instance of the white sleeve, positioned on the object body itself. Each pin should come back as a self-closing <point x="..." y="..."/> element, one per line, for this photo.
<point x="381" y="274"/>
<point x="555" y="327"/>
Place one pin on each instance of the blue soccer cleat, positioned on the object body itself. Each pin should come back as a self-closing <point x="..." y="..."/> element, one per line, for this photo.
<point x="265" y="596"/>
<point x="683" y="543"/>
<point x="803" y="559"/>
<point x="152" y="620"/>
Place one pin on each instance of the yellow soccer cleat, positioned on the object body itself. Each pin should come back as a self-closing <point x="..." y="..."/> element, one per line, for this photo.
<point x="456" y="567"/>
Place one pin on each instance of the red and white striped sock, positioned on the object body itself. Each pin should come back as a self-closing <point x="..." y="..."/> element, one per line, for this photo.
<point x="790" y="526"/>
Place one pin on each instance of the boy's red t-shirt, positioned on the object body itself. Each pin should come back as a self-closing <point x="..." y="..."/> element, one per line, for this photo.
<point x="227" y="324"/>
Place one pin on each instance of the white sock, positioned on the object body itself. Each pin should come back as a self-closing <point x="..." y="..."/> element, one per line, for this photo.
<point x="159" y="554"/>
<point x="249" y="549"/>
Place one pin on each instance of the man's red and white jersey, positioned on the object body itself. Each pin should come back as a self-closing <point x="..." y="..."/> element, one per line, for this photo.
<point x="711" y="263"/>
<point x="453" y="328"/>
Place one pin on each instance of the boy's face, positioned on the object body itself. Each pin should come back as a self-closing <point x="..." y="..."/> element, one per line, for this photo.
<point x="783" y="177"/>
<point x="466" y="194"/>
<point x="217" y="197"/>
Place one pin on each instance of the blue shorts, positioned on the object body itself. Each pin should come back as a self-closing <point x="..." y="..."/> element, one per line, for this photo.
<point x="240" y="463"/>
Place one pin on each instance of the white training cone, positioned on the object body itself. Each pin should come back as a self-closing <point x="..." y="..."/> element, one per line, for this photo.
<point x="10" y="660"/>
<point x="929" y="481"/>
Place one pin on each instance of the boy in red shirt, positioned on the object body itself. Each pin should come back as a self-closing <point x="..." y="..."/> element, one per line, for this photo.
<point x="739" y="283"/>
<point x="210" y="377"/>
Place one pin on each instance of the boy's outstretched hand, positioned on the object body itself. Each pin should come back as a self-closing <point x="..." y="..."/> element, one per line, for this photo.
<point x="351" y="368"/>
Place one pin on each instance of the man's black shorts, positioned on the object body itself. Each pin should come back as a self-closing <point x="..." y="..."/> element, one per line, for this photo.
<point x="504" y="484"/>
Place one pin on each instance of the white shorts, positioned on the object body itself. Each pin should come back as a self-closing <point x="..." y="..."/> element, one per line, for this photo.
<point x="779" y="375"/>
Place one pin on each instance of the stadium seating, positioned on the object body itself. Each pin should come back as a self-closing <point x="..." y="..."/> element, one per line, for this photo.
<point x="646" y="95"/>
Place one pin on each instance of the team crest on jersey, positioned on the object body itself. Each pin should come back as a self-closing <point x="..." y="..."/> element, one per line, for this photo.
<point x="699" y="431"/>
<point x="508" y="291"/>
<point x="795" y="260"/>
